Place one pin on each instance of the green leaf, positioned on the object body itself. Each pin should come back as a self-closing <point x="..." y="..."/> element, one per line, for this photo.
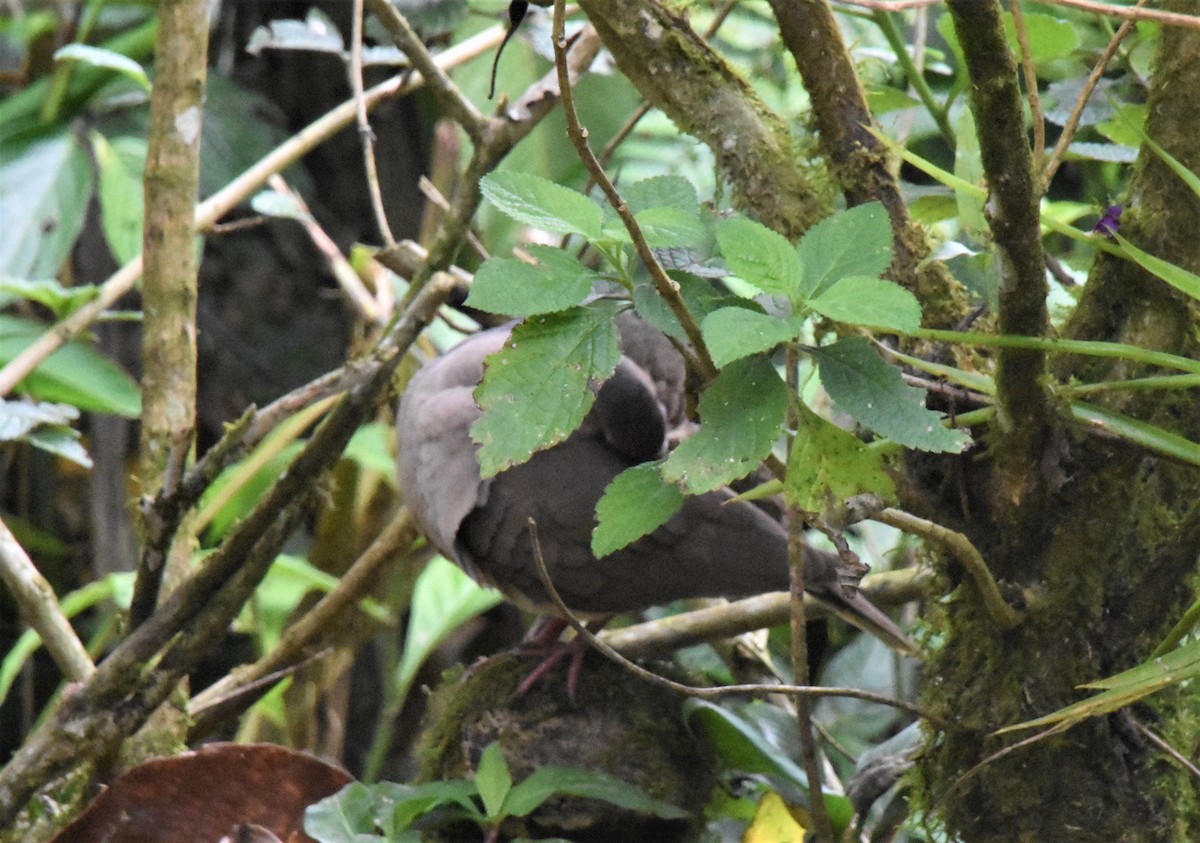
<point x="316" y="33"/>
<point x="287" y="582"/>
<point x="48" y="292"/>
<point x="284" y="206"/>
<point x="415" y="801"/>
<point x="875" y="394"/>
<point x="662" y="192"/>
<point x="1127" y="126"/>
<point x="45" y="187"/>
<point x="358" y="812"/>
<point x="1123" y="689"/>
<point x="588" y="784"/>
<point x="857" y="241"/>
<point x="432" y="17"/>
<point x="968" y="169"/>
<point x="1049" y="38"/>
<point x="760" y="256"/>
<point x="732" y="333"/>
<point x="543" y="204"/>
<point x="99" y="57"/>
<point x="635" y="504"/>
<point x="666" y="227"/>
<point x="516" y="288"/>
<point x="62" y="441"/>
<point x="873" y="302"/>
<point x="741" y="414"/>
<point x="493" y="780"/>
<point x="75" y="374"/>
<point x="742" y="747"/>
<point x="347" y="816"/>
<point x="444" y="598"/>
<point x="829" y="465"/>
<point x="535" y="389"/>
<point x="700" y="296"/>
<point x="1181" y="279"/>
<point x="1148" y="436"/>
<point x="372" y="447"/>
<point x="122" y="162"/>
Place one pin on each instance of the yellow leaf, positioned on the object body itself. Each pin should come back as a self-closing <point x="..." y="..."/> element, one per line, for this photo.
<point x="774" y="822"/>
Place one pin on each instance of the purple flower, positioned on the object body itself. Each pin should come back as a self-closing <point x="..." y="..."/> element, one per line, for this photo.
<point x="1110" y="221"/>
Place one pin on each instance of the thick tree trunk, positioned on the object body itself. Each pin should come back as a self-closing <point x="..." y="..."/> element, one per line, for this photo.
<point x="1110" y="569"/>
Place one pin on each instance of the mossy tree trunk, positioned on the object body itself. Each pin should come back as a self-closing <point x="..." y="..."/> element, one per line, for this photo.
<point x="1105" y="566"/>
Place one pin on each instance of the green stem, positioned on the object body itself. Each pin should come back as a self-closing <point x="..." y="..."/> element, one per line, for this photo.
<point x="887" y="25"/>
<point x="1089" y="348"/>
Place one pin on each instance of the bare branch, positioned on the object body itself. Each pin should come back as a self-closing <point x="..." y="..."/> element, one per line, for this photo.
<point x="39" y="607"/>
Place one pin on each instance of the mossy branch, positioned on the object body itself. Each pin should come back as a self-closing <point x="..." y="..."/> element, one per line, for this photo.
<point x="678" y="72"/>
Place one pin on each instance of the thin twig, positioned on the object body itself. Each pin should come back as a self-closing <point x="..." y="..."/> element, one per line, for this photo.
<point x="705" y="693"/>
<point x="228" y="197"/>
<point x="37" y="606"/>
<point x="668" y="289"/>
<point x="798" y="626"/>
<point x="316" y="625"/>
<point x="448" y="95"/>
<point x="1108" y="10"/>
<point x="1177" y="756"/>
<point x="887" y="588"/>
<point x="1005" y="616"/>
<point x="1031" y="84"/>
<point x="1072" y="123"/>
<point x="339" y="266"/>
<point x="365" y="136"/>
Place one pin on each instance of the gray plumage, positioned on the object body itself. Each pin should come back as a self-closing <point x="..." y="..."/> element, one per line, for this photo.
<point x="712" y="547"/>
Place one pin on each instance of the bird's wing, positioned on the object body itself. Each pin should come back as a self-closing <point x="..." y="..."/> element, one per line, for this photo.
<point x="435" y="455"/>
<point x="707" y="549"/>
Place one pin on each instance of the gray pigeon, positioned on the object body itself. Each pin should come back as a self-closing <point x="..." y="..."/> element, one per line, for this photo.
<point x="710" y="548"/>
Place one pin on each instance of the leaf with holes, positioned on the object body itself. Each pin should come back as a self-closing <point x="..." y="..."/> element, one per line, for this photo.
<point x="535" y="389"/>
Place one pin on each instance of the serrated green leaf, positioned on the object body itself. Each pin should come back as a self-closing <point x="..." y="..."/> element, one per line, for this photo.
<point x="635" y="504"/>
<point x="741" y="414"/>
<point x="667" y="227"/>
<point x="661" y="192"/>
<point x="100" y="57"/>
<point x="700" y="296"/>
<point x="535" y="390"/>
<point x="828" y="465"/>
<point x="760" y="256"/>
<point x="589" y="784"/>
<point x="875" y="394"/>
<point x="45" y="187"/>
<point x="872" y="302"/>
<point x="75" y="374"/>
<point x="857" y="241"/>
<point x="543" y="204"/>
<point x="121" y="162"/>
<point x="516" y="288"/>
<point x="732" y="333"/>
<point x="493" y="780"/>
